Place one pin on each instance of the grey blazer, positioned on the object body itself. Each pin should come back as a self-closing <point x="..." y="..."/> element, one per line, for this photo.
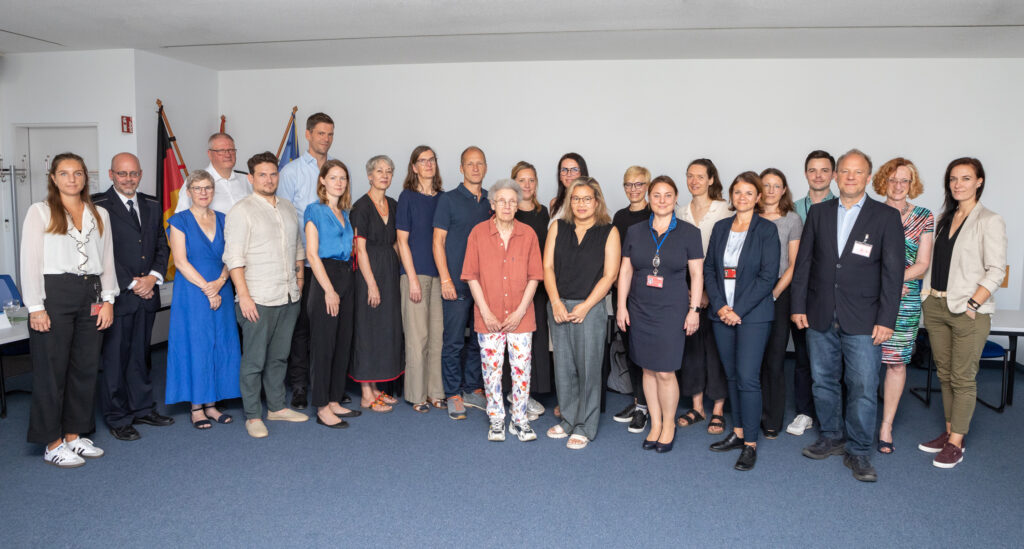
<point x="979" y="259"/>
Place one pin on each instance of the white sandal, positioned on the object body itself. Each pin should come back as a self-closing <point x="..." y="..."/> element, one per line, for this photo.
<point x="577" y="442"/>
<point x="557" y="432"/>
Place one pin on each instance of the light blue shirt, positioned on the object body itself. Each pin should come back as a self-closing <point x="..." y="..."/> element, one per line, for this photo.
<point x="845" y="221"/>
<point x="298" y="184"/>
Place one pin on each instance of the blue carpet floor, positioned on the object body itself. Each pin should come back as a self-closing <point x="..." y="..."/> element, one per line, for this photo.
<point x="404" y="479"/>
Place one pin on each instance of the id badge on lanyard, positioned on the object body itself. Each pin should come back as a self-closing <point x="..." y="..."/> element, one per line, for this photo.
<point x="97" y="300"/>
<point x="653" y="280"/>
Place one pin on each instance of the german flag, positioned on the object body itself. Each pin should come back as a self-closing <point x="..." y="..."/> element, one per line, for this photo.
<point x="168" y="177"/>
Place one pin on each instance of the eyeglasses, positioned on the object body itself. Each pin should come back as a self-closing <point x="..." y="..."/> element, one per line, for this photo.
<point x="506" y="203"/>
<point x="633" y="186"/>
<point x="586" y="200"/>
<point x="224" y="151"/>
<point x="427" y="161"/>
<point x="893" y="181"/>
<point x="567" y="171"/>
<point x="132" y="175"/>
<point x="202" y="190"/>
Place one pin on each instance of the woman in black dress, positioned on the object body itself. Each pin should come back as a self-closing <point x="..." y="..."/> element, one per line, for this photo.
<point x="534" y="214"/>
<point x="653" y="292"/>
<point x="378" y="325"/>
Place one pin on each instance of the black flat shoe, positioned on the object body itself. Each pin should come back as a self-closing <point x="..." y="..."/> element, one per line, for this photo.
<point x="350" y="413"/>
<point x="299" y="398"/>
<point x="649" y="444"/>
<point x="126" y="432"/>
<point x="340" y="425"/>
<point x="664" y="448"/>
<point x="771" y="433"/>
<point x="730" y="442"/>
<point x="748" y="457"/>
<point x="345" y="399"/>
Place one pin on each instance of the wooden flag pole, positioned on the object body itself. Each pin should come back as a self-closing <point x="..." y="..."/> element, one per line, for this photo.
<point x="170" y="135"/>
<point x="284" y="138"/>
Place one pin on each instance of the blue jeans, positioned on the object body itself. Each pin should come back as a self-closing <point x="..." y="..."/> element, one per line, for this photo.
<point x="827" y="351"/>
<point x="741" y="349"/>
<point x="460" y="366"/>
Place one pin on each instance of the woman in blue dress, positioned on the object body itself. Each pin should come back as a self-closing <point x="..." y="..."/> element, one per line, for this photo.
<point x="203" y="352"/>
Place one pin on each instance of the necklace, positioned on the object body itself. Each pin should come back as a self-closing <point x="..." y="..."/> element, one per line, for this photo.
<point x="382" y="211"/>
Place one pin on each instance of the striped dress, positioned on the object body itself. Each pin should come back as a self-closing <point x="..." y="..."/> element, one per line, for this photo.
<point x="900" y="346"/>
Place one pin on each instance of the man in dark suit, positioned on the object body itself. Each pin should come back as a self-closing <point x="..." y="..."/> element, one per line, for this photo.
<point x="846" y="292"/>
<point x="140" y="259"/>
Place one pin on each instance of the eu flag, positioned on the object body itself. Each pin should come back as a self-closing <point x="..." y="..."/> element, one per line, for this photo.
<point x="291" y="147"/>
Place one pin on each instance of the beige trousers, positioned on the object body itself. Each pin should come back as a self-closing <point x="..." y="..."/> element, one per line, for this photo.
<point x="424" y="325"/>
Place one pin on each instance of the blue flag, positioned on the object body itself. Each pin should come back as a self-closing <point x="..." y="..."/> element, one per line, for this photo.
<point x="291" y="147"/>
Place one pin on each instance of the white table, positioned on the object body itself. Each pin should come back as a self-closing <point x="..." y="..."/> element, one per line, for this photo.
<point x="17" y="332"/>
<point x="1010" y="324"/>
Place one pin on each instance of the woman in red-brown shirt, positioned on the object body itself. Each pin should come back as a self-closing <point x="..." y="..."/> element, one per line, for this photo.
<point x="503" y="269"/>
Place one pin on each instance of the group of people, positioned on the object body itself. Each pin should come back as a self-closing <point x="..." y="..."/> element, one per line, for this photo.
<point x="326" y="290"/>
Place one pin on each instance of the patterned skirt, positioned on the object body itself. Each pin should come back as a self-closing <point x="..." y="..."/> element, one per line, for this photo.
<point x="900" y="346"/>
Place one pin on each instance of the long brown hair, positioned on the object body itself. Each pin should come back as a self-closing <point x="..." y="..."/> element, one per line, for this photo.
<point x="412" y="181"/>
<point x="58" y="214"/>
<point x="786" y="201"/>
<point x="524" y="165"/>
<point x="345" y="200"/>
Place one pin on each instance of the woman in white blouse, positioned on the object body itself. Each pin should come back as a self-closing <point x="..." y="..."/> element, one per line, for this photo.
<point x="69" y="286"/>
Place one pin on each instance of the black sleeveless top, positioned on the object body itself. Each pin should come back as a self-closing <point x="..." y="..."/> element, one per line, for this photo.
<point x="579" y="265"/>
<point x="942" y="256"/>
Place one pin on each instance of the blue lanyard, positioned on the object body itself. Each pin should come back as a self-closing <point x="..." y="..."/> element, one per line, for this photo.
<point x="664" y="237"/>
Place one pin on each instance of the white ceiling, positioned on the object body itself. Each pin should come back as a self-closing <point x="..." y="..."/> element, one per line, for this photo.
<point x="247" y="34"/>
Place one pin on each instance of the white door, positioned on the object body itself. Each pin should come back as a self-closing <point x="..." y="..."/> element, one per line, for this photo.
<point x="40" y="145"/>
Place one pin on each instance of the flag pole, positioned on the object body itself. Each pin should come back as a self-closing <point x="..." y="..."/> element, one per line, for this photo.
<point x="170" y="135"/>
<point x="284" y="138"/>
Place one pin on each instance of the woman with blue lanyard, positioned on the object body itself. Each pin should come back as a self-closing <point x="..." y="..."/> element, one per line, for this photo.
<point x="657" y="306"/>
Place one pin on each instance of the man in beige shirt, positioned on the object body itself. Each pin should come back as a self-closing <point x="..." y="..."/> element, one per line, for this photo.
<point x="264" y="254"/>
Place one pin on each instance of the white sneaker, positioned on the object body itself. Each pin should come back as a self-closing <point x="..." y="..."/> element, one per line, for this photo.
<point x="800" y="424"/>
<point x="523" y="431"/>
<point x="85" y="448"/>
<point x="497" y="430"/>
<point x="63" y="457"/>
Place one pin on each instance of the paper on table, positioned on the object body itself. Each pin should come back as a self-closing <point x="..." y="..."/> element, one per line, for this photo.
<point x="4" y="322"/>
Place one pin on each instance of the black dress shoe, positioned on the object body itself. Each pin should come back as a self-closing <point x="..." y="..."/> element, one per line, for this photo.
<point x="649" y="444"/>
<point x="861" y="467"/>
<point x="126" y="432"/>
<point x="748" y="457"/>
<point x="730" y="442"/>
<point x="340" y="425"/>
<point x="771" y="433"/>
<point x="155" y="419"/>
<point x="350" y="413"/>
<point x="299" y="399"/>
<point x="345" y="399"/>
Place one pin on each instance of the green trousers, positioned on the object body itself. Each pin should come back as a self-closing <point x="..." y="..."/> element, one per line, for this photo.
<point x="957" y="342"/>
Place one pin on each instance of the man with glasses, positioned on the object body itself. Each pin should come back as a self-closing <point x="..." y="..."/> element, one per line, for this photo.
<point x="230" y="184"/>
<point x="298" y="186"/>
<point x="140" y="260"/>
<point x="458" y="211"/>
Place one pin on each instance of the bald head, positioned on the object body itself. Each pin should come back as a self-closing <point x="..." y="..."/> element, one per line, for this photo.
<point x="125" y="173"/>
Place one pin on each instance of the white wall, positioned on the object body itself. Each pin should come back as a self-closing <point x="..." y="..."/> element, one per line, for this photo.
<point x="189" y="96"/>
<point x="744" y="114"/>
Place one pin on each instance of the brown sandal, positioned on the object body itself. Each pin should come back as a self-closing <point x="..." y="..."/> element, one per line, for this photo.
<point x="438" y="403"/>
<point x="422" y="407"/>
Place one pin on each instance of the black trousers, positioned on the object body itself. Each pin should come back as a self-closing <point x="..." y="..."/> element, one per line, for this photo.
<point x="298" y="359"/>
<point x="330" y="336"/>
<point x="636" y="373"/>
<point x="702" y="370"/>
<point x="773" y="367"/>
<point x="802" y="380"/>
<point x="125" y="390"/>
<point x="65" y="360"/>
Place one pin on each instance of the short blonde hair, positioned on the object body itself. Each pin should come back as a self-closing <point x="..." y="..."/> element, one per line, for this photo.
<point x="634" y="171"/>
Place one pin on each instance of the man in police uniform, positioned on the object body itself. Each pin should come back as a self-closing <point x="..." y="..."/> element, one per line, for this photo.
<point x="140" y="259"/>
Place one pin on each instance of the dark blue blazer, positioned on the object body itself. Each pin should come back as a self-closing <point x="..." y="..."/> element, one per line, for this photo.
<point x="136" y="252"/>
<point x="859" y="292"/>
<point x="756" y="274"/>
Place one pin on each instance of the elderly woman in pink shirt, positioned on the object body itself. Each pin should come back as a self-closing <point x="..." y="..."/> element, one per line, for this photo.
<point x="503" y="269"/>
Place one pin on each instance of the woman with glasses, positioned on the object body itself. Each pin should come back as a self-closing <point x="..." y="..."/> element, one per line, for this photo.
<point x="420" y="282"/>
<point x="702" y="374"/>
<point x="898" y="181"/>
<point x="570" y="167"/>
<point x="203" y="352"/>
<point x="581" y="260"/>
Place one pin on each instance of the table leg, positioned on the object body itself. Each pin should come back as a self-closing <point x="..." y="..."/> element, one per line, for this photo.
<point x="1013" y="369"/>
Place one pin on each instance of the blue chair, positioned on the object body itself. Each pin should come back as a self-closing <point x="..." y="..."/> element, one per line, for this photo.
<point x="995" y="351"/>
<point x="8" y="291"/>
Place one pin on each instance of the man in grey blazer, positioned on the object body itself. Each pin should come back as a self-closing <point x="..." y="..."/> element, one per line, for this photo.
<point x="846" y="292"/>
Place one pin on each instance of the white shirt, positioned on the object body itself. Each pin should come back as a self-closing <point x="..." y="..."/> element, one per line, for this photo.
<point x="264" y="239"/>
<point x="76" y="252"/>
<point x="226" y="192"/>
<point x="731" y="258"/>
<point x="718" y="210"/>
<point x="138" y="217"/>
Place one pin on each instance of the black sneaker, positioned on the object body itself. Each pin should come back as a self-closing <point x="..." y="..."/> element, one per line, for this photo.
<point x="639" y="422"/>
<point x="626" y="415"/>
<point x="825" y="447"/>
<point x="861" y="467"/>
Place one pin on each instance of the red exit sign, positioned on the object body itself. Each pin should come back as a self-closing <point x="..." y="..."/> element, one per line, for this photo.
<point x="126" y="125"/>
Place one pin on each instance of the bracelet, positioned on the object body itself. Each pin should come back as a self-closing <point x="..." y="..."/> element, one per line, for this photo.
<point x="972" y="303"/>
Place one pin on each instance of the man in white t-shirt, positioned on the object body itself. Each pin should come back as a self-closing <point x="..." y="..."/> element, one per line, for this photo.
<point x="230" y="185"/>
